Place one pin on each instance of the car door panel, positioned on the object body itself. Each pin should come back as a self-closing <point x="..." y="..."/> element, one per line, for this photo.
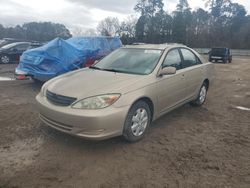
<point x="172" y="88"/>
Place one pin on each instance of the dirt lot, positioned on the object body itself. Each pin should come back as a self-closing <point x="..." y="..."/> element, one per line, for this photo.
<point x="190" y="147"/>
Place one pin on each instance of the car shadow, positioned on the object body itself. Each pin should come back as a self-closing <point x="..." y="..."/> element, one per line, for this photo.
<point x="61" y="138"/>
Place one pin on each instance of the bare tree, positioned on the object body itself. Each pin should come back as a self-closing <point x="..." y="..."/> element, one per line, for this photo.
<point x="127" y="27"/>
<point x="79" y="32"/>
<point x="109" y="26"/>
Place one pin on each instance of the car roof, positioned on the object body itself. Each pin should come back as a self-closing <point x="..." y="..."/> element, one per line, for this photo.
<point x="220" y="48"/>
<point x="17" y="43"/>
<point x="154" y="46"/>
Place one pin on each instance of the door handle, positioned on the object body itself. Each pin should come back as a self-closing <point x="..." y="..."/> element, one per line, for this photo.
<point x="183" y="76"/>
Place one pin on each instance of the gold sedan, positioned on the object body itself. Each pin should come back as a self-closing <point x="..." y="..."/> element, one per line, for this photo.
<point x="124" y="92"/>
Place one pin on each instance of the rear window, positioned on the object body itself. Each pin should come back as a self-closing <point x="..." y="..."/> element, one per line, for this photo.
<point x="218" y="51"/>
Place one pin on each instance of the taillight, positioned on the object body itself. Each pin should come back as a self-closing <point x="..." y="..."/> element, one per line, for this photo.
<point x="21" y="77"/>
<point x="89" y="62"/>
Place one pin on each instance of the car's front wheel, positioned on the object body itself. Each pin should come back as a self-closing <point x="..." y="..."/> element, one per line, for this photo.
<point x="201" y="96"/>
<point x="137" y="121"/>
<point x="5" y="59"/>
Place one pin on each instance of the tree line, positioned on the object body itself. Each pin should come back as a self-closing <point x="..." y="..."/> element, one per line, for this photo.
<point x="35" y="31"/>
<point x="224" y="24"/>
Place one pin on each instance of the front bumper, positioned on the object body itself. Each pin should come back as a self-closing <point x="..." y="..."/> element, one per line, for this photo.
<point x="26" y="74"/>
<point x="90" y="124"/>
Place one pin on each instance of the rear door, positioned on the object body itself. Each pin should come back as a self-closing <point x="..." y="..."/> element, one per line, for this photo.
<point x="193" y="69"/>
<point x="18" y="51"/>
<point x="171" y="88"/>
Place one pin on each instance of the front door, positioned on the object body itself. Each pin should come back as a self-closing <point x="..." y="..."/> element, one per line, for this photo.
<point x="172" y="88"/>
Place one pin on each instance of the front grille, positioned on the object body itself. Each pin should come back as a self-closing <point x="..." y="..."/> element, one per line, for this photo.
<point x="59" y="99"/>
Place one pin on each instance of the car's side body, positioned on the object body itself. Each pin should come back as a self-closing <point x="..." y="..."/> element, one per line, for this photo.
<point x="166" y="92"/>
<point x="162" y="93"/>
<point x="11" y="53"/>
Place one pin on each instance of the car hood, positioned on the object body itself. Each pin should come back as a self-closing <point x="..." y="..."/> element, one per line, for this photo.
<point x="90" y="82"/>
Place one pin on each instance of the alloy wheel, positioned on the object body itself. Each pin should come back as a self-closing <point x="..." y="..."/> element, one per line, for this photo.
<point x="139" y="122"/>
<point x="203" y="93"/>
<point x="5" y="59"/>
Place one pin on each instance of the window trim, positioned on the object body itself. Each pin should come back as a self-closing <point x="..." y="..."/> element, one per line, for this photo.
<point x="19" y="45"/>
<point x="178" y="49"/>
<point x="199" y="62"/>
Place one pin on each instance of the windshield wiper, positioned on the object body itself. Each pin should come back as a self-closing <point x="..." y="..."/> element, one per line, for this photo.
<point x="94" y="67"/>
<point x="112" y="70"/>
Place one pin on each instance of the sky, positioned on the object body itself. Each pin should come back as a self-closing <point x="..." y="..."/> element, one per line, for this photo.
<point x="83" y="14"/>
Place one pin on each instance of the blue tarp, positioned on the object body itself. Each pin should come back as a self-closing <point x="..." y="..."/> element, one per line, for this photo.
<point x="60" y="56"/>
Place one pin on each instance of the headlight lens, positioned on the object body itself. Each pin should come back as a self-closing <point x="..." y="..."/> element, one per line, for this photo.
<point x="97" y="102"/>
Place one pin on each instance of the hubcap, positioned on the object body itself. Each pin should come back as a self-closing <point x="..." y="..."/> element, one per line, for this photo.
<point x="139" y="122"/>
<point x="5" y="59"/>
<point x="203" y="94"/>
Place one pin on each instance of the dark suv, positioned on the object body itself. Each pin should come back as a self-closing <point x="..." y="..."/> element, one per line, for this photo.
<point x="220" y="54"/>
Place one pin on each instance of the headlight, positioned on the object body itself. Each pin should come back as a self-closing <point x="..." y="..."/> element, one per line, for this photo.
<point x="97" y="102"/>
<point x="43" y="91"/>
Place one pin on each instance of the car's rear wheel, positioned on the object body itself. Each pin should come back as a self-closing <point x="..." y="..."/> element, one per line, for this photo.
<point x="5" y="59"/>
<point x="201" y="96"/>
<point x="137" y="121"/>
<point x="226" y="61"/>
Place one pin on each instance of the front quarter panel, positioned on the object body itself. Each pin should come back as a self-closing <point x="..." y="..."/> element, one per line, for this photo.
<point x="145" y="88"/>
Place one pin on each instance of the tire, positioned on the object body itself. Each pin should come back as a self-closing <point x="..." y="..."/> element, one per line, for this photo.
<point x="5" y="59"/>
<point x="226" y="61"/>
<point x="199" y="101"/>
<point x="137" y="121"/>
<point x="36" y="81"/>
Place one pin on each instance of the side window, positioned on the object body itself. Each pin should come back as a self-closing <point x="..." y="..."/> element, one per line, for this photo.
<point x="173" y="59"/>
<point x="22" y="47"/>
<point x="189" y="59"/>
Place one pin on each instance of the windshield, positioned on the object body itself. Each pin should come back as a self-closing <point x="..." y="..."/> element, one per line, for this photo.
<point x="133" y="61"/>
<point x="8" y="46"/>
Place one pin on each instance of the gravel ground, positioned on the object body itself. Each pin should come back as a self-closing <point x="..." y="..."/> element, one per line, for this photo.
<point x="191" y="147"/>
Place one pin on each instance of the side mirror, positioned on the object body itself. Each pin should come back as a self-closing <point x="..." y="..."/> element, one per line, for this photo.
<point x="167" y="71"/>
